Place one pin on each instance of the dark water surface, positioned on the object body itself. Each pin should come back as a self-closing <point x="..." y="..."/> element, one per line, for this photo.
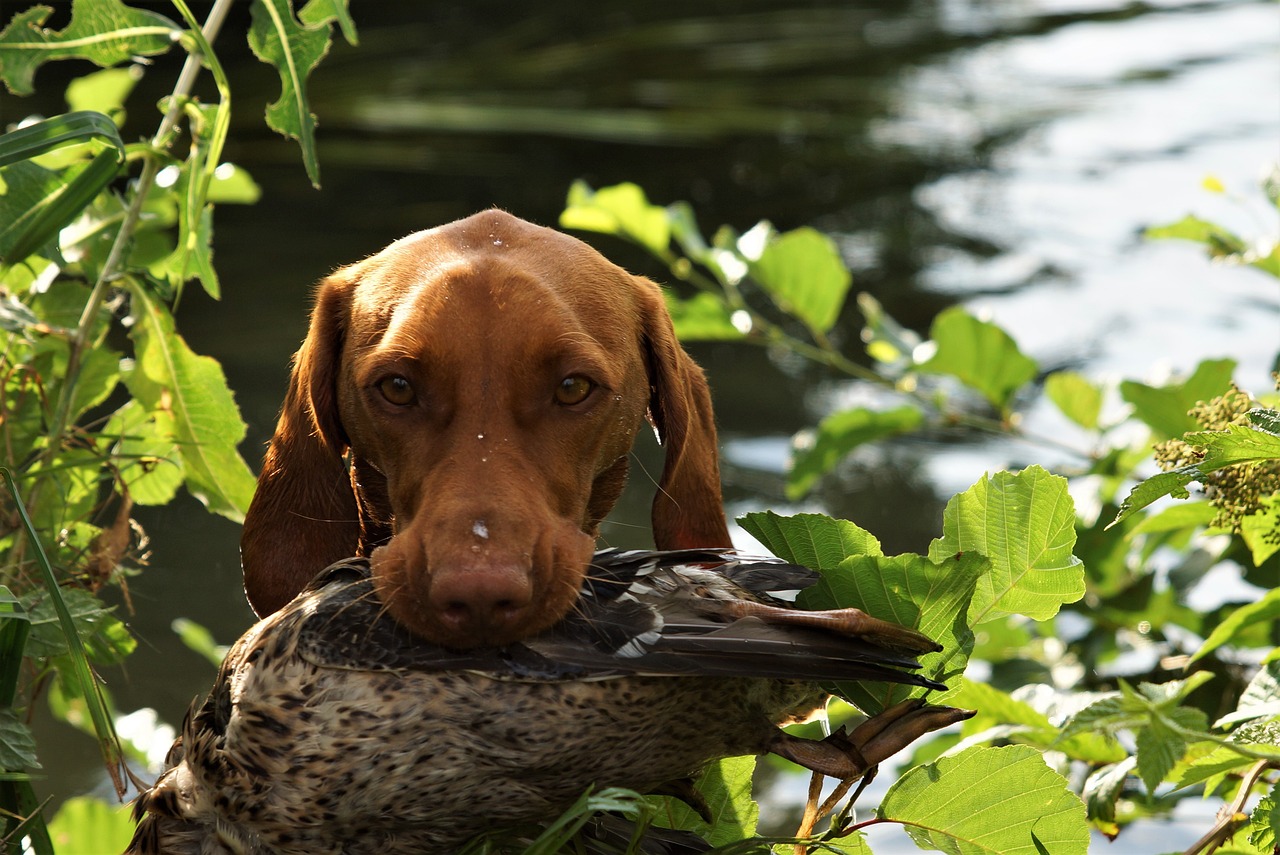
<point x="1000" y="154"/>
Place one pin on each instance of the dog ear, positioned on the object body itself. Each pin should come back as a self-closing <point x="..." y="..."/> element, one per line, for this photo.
<point x="688" y="509"/>
<point x="303" y="516"/>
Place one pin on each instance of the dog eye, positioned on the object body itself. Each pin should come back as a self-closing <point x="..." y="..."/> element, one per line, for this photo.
<point x="573" y="390"/>
<point x="397" y="390"/>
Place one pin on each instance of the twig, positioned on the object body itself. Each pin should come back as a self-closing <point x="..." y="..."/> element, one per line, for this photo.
<point x="1232" y="816"/>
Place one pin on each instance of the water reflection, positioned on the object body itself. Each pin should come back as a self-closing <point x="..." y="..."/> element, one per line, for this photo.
<point x="1000" y="153"/>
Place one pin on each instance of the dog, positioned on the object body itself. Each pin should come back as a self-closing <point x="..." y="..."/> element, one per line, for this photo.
<point x="462" y="412"/>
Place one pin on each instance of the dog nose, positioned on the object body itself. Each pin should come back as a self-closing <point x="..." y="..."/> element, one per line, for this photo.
<point x="481" y="602"/>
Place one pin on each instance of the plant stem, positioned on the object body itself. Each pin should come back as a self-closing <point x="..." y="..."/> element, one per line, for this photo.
<point x="106" y="276"/>
<point x="1231" y="816"/>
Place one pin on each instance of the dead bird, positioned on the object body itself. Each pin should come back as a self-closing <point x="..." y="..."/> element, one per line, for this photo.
<point x="331" y="728"/>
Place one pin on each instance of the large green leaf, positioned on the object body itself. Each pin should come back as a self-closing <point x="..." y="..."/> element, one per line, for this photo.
<point x="813" y="540"/>
<point x="621" y="210"/>
<point x="725" y="786"/>
<point x="1024" y="523"/>
<point x="189" y="398"/>
<point x="911" y="591"/>
<point x="989" y="801"/>
<point x="802" y="271"/>
<point x="105" y="32"/>
<point x="1266" y="610"/>
<point x="1165" y="408"/>
<point x="980" y="354"/>
<point x="295" y="47"/>
<point x="88" y="826"/>
<point x="837" y="435"/>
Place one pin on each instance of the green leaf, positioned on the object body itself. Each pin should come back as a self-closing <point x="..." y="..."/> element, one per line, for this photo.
<point x="621" y="210"/>
<point x="295" y="48"/>
<point x="104" y="91"/>
<point x="99" y="374"/>
<point x="1261" y="530"/>
<point x="105" y="32"/>
<point x="911" y="591"/>
<point x="1219" y="241"/>
<point x="1252" y="443"/>
<point x="1264" y="822"/>
<point x="980" y="354"/>
<point x="88" y="826"/>
<point x="1165" y="408"/>
<point x="17" y="744"/>
<point x="189" y="397"/>
<point x="837" y="435"/>
<point x="37" y="138"/>
<point x="15" y="626"/>
<point x="1101" y="791"/>
<point x="802" y="271"/>
<point x="1077" y="398"/>
<point x="40" y="226"/>
<point x="1158" y="749"/>
<point x="1185" y="515"/>
<point x="726" y="788"/>
<point x="996" y="708"/>
<point x="702" y="317"/>
<point x="813" y="540"/>
<point x="985" y="801"/>
<point x="198" y="639"/>
<point x="1265" y="610"/>
<point x="149" y="463"/>
<point x="1261" y="698"/>
<point x="1024" y="523"/>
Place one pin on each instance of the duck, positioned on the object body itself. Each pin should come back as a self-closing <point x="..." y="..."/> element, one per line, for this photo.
<point x="332" y="728"/>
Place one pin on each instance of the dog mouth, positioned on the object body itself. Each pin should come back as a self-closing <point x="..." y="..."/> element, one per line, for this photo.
<point x="471" y="603"/>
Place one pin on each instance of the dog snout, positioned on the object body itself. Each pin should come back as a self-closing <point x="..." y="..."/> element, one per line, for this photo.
<point x="485" y="603"/>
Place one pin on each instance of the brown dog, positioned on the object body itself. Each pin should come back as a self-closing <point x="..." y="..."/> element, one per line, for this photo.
<point x="462" y="409"/>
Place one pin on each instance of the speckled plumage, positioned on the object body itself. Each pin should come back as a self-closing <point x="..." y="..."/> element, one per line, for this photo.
<point x="331" y="729"/>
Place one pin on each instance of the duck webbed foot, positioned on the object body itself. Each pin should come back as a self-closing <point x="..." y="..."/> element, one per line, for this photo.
<point x="848" y="756"/>
<point x="851" y="622"/>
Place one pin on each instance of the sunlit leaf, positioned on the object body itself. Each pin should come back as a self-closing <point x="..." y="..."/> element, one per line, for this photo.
<point x="148" y="461"/>
<point x="621" y="210"/>
<point x="104" y="91"/>
<point x="1265" y="610"/>
<point x="1261" y="530"/>
<point x="1257" y="442"/>
<point x="813" y="540"/>
<point x="88" y="826"/>
<point x="726" y="788"/>
<point x="803" y="273"/>
<point x="199" y="639"/>
<point x="985" y="801"/>
<point x="1261" y="698"/>
<point x="980" y="354"/>
<point x="105" y="32"/>
<point x="1264" y="822"/>
<point x="170" y="379"/>
<point x="1101" y="790"/>
<point x="295" y="48"/>
<point x="911" y="591"/>
<point x="1165" y="408"/>
<point x="1077" y="398"/>
<point x="702" y="317"/>
<point x="1024" y="523"/>
<point x="837" y="435"/>
<point x="1218" y="240"/>
<point x="37" y="138"/>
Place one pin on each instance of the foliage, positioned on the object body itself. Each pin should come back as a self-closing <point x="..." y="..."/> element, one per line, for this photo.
<point x="1056" y="604"/>
<point x="105" y="407"/>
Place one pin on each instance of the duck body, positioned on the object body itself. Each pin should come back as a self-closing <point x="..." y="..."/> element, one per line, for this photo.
<point x="332" y="729"/>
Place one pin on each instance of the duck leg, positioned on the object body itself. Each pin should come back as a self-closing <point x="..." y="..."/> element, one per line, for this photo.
<point x="852" y="622"/>
<point x="847" y="756"/>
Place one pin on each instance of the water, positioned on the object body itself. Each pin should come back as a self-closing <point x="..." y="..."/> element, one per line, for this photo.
<point x="1001" y="154"/>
